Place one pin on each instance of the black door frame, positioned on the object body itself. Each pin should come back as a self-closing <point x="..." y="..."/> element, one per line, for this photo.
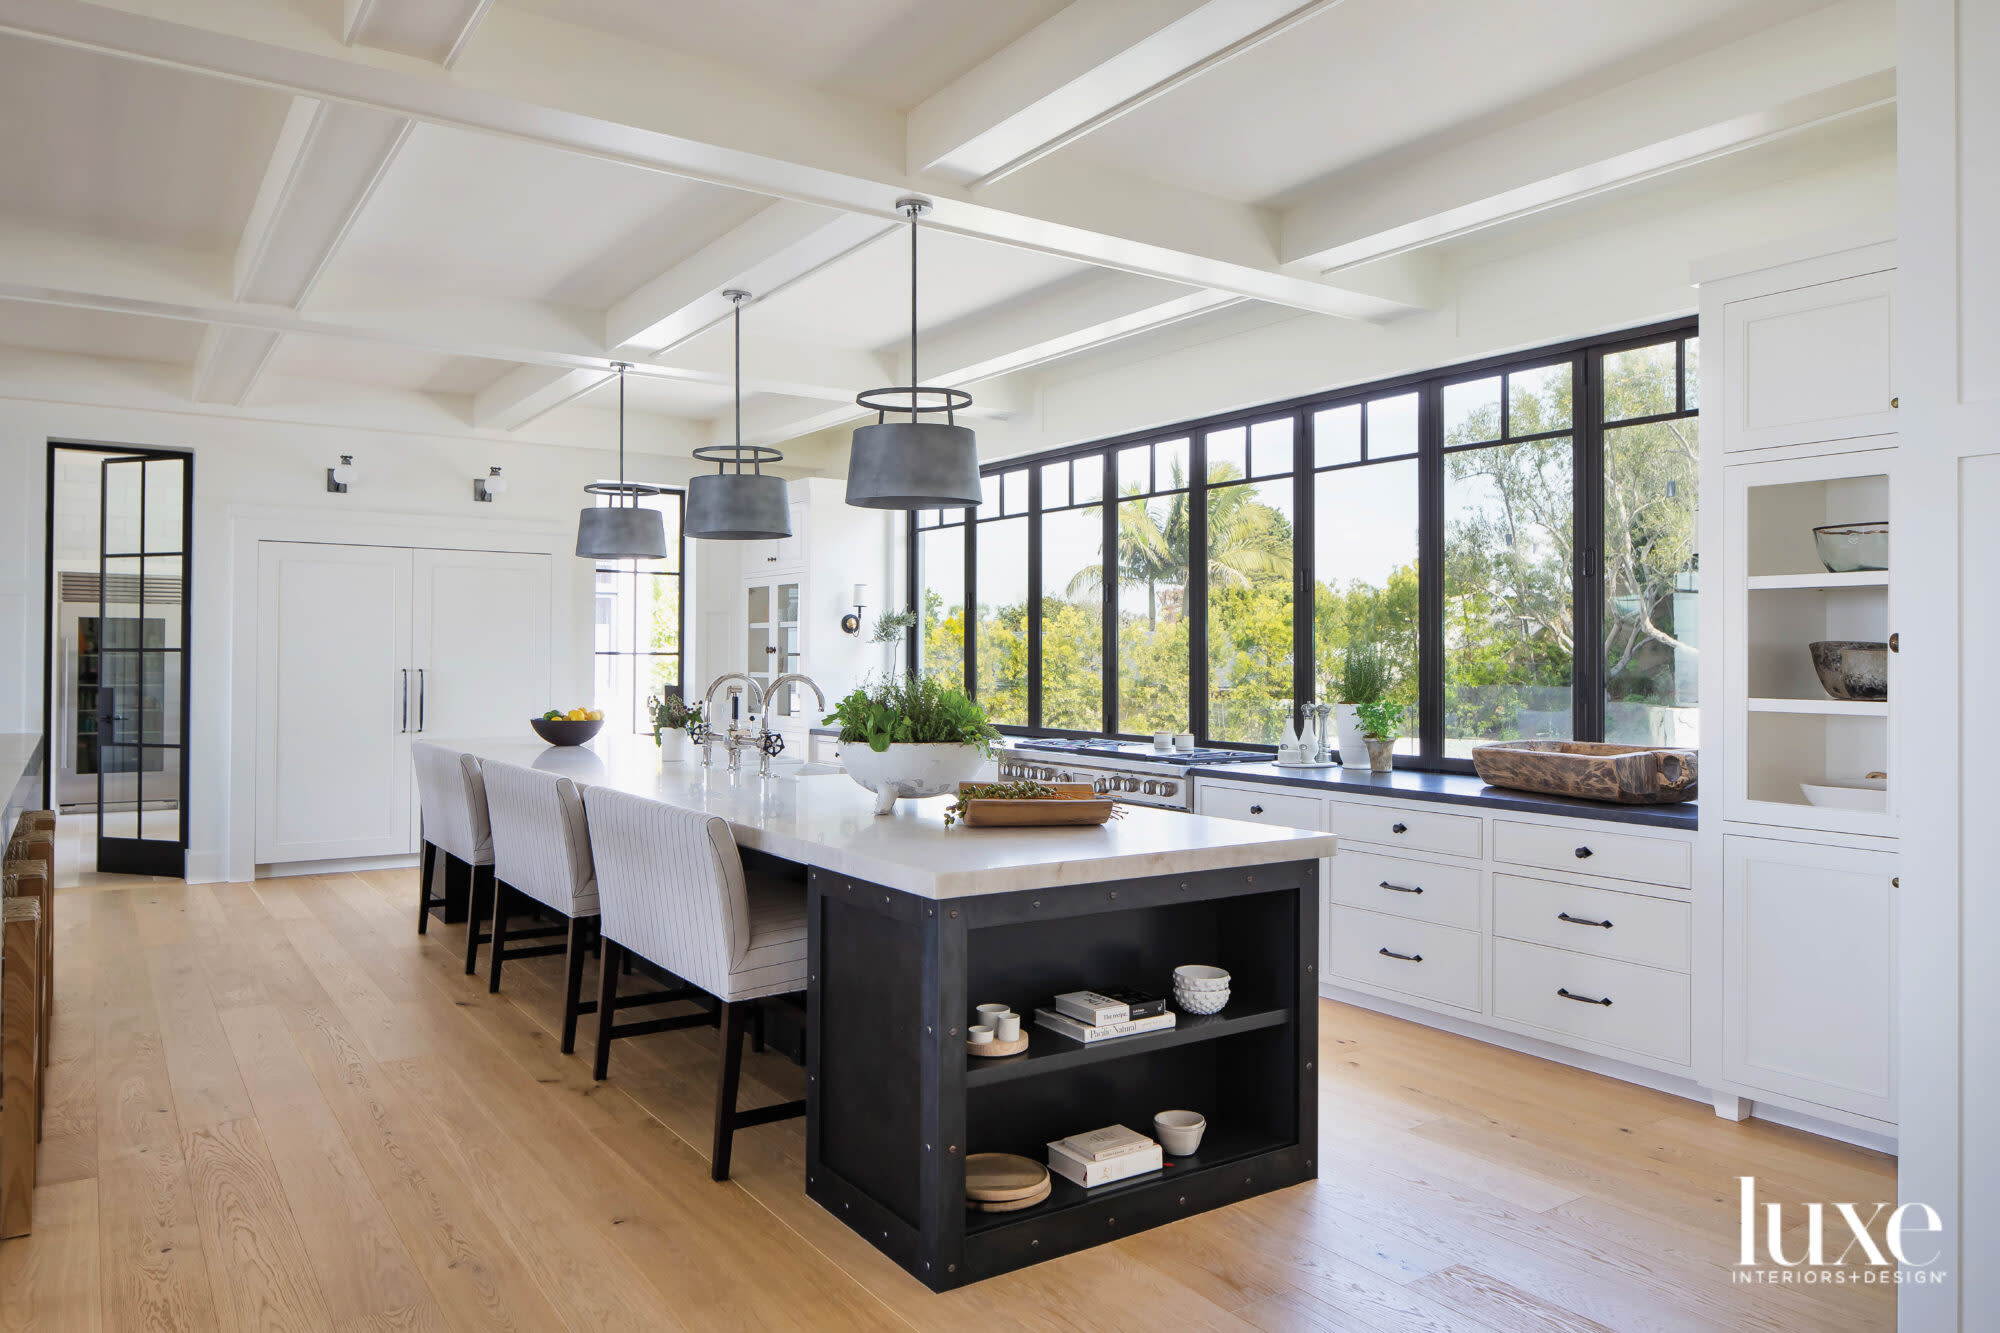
<point x="173" y="861"/>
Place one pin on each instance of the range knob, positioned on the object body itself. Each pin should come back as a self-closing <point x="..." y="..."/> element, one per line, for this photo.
<point x="1100" y="785"/>
<point x="1152" y="787"/>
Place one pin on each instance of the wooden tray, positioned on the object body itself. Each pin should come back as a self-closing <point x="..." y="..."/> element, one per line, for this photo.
<point x="1000" y="1177"/>
<point x="994" y="1049"/>
<point x="1012" y="1205"/>
<point x="1073" y="803"/>
<point x="1627" y="774"/>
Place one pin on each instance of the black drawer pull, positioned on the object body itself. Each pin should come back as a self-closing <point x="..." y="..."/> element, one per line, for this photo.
<point x="1401" y="888"/>
<point x="1581" y="999"/>
<point x="1412" y="958"/>
<point x="1256" y="809"/>
<point x="1581" y="921"/>
<point x="1582" y="852"/>
<point x="1399" y="828"/>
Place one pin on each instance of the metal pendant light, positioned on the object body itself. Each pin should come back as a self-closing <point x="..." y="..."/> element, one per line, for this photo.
<point x="624" y="529"/>
<point x="736" y="505"/>
<point x="914" y="464"/>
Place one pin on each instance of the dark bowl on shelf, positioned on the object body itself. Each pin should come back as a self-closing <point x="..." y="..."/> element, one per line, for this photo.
<point x="1852" y="670"/>
<point x="563" y="732"/>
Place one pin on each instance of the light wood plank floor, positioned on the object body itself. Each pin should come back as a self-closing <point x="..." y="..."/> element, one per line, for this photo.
<point x="275" y="1106"/>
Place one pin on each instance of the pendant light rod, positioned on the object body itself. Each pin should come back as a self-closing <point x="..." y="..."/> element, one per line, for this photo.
<point x="736" y="297"/>
<point x="737" y="505"/>
<point x="915" y="208"/>
<point x="621" y="367"/>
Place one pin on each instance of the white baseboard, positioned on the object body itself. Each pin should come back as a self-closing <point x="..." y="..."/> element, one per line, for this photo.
<point x="286" y="869"/>
<point x="1610" y="1068"/>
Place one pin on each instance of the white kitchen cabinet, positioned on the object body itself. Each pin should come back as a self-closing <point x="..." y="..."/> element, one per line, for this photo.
<point x="334" y="701"/>
<point x="1808" y="974"/>
<point x="361" y="649"/>
<point x="1810" y="364"/>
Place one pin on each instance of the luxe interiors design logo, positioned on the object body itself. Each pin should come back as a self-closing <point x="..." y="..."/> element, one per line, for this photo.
<point x="1839" y="1247"/>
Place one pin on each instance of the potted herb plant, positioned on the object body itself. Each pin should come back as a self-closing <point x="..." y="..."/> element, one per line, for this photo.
<point x="1364" y="678"/>
<point x="911" y="737"/>
<point x="1380" y="722"/>
<point x="673" y="718"/>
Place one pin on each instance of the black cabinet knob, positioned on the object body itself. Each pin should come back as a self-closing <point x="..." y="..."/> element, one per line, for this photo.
<point x="1399" y="828"/>
<point x="1256" y="809"/>
<point x="1582" y="852"/>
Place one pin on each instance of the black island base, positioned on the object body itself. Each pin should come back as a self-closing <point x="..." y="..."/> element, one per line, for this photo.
<point x="895" y="1104"/>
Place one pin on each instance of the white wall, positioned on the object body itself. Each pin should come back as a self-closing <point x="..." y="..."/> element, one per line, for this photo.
<point x="245" y="466"/>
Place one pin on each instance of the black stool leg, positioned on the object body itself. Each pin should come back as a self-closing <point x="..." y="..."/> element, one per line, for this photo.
<point x="757" y="1027"/>
<point x="579" y="935"/>
<point x="498" y="936"/>
<point x="482" y="897"/>
<point x="735" y="1016"/>
<point x="424" y="888"/>
<point x="457" y="889"/>
<point x="607" y="1006"/>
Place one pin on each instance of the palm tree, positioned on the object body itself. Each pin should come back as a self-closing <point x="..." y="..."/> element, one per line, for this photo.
<point x="1246" y="540"/>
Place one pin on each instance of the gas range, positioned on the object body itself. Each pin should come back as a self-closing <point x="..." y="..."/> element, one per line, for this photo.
<point x="1132" y="772"/>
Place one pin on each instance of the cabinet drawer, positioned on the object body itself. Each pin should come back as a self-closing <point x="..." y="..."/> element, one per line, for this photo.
<point x="1595" y="852"/>
<point x="1418" y="830"/>
<point x="1438" y="963"/>
<point x="1420" y="890"/>
<point x="1648" y="1012"/>
<point x="1260" y="807"/>
<point x="1635" y="928"/>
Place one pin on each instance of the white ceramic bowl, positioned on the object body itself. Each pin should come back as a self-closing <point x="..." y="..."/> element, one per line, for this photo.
<point x="1201" y="1001"/>
<point x="1839" y="797"/>
<point x="1179" y="1132"/>
<point x="1200" y="976"/>
<point x="911" y="770"/>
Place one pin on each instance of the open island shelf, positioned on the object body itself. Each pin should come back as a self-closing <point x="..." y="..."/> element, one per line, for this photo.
<point x="895" y="1105"/>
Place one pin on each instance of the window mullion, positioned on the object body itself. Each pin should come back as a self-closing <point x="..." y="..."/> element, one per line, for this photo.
<point x="1034" y="607"/>
<point x="1108" y="586"/>
<point x="1587" y="529"/>
<point x="1305" y="664"/>
<point x="1430" y="574"/>
<point x="1196" y="593"/>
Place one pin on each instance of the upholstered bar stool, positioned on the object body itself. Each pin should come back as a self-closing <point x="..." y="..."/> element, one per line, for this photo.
<point x="455" y="825"/>
<point x="35" y="839"/>
<point x="672" y="889"/>
<point x="541" y="852"/>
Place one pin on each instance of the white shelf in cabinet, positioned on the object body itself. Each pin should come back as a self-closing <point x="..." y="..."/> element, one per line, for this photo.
<point x="1822" y="707"/>
<point x="1874" y="578"/>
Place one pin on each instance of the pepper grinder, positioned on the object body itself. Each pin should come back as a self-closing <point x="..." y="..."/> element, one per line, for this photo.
<point x="1327" y="751"/>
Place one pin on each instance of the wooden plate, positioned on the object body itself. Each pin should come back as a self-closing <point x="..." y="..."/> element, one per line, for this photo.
<point x="999" y="1177"/>
<point x="1073" y="803"/>
<point x="990" y="1049"/>
<point x="1012" y="1205"/>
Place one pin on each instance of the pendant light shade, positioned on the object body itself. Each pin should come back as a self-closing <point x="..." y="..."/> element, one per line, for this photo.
<point x="914" y="464"/>
<point x="624" y="529"/>
<point x="731" y="504"/>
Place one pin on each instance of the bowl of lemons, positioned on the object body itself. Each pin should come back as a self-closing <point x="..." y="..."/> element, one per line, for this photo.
<point x="572" y="728"/>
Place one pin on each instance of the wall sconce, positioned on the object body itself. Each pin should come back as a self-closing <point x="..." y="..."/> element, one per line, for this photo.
<point x="339" y="478"/>
<point x="486" y="487"/>
<point x="851" y="623"/>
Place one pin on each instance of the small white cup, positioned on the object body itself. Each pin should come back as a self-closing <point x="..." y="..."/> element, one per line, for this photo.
<point x="989" y="1014"/>
<point x="979" y="1034"/>
<point x="1163" y="740"/>
<point x="1007" y="1027"/>
<point x="1179" y="1131"/>
<point x="1184" y="742"/>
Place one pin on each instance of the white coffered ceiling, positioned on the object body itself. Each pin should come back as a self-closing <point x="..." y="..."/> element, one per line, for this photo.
<point x="489" y="203"/>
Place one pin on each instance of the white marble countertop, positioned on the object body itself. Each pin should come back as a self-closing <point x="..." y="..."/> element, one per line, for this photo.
<point x="828" y="821"/>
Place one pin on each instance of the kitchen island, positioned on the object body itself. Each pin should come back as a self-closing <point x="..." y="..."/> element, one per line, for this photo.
<point x="20" y="775"/>
<point x="911" y="924"/>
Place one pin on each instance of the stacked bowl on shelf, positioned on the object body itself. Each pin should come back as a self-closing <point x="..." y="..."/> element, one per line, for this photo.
<point x="1200" y="988"/>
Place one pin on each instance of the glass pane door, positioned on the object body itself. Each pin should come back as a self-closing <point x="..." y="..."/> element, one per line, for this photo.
<point x="761" y="651"/>
<point x="785" y="638"/>
<point x="140" y="669"/>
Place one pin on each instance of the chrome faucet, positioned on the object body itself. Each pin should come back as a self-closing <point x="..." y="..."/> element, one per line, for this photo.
<point x="765" y="738"/>
<point x="734" y="738"/>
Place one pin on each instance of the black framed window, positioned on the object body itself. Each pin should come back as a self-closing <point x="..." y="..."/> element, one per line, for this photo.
<point x="1516" y="537"/>
<point x="641" y="624"/>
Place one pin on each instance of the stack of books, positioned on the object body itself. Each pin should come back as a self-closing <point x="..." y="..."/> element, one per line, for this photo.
<point x="1088" y="1016"/>
<point x="1104" y="1155"/>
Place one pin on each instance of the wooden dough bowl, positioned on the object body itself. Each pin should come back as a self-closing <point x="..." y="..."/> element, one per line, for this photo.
<point x="1627" y="774"/>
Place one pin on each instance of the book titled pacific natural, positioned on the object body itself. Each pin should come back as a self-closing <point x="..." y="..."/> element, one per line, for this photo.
<point x="1105" y="1155"/>
<point x="1087" y="1033"/>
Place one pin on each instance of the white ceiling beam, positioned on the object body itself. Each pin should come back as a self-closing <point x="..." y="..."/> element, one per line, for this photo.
<point x="1082" y="68"/>
<point x="228" y="362"/>
<point x="779" y="245"/>
<point x="528" y="392"/>
<point x="433" y="30"/>
<point x="563" y="86"/>
<point x="1826" y="65"/>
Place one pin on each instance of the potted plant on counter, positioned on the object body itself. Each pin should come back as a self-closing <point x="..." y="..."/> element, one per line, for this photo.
<point x="911" y="737"/>
<point x="1363" y="678"/>
<point x="673" y="718"/>
<point x="1381" y="722"/>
